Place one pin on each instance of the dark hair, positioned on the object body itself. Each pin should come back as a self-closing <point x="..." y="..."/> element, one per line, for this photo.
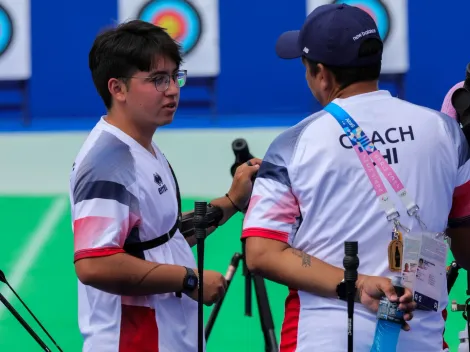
<point x="345" y="76"/>
<point x="132" y="46"/>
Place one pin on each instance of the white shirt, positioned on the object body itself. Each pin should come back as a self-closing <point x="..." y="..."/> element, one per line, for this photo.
<point x="120" y="193"/>
<point x="313" y="193"/>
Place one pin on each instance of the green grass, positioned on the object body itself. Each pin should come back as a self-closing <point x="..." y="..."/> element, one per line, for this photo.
<point x="50" y="286"/>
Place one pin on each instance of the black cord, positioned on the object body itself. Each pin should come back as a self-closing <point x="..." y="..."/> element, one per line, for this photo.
<point x="234" y="205"/>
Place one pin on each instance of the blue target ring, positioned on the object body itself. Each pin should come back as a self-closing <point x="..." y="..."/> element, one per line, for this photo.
<point x="377" y="10"/>
<point x="180" y="18"/>
<point x="6" y="30"/>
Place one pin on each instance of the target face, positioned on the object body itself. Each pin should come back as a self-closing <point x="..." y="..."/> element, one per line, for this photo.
<point x="377" y="10"/>
<point x="180" y="18"/>
<point x="6" y="30"/>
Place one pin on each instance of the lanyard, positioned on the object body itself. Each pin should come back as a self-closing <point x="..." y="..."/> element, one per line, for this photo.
<point x="368" y="155"/>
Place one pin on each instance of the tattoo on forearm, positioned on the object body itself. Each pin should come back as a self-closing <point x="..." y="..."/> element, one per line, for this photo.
<point x="306" y="259"/>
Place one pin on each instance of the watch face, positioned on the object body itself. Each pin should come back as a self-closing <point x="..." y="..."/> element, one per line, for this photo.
<point x="192" y="281"/>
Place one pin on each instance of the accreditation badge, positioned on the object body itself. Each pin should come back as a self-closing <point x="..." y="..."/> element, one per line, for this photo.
<point x="424" y="267"/>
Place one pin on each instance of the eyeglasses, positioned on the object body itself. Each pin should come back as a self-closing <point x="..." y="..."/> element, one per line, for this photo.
<point x="162" y="80"/>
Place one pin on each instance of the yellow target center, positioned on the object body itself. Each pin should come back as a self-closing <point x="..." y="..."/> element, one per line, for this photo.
<point x="171" y="25"/>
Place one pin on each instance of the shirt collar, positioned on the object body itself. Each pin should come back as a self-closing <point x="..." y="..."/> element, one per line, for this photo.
<point x="376" y="95"/>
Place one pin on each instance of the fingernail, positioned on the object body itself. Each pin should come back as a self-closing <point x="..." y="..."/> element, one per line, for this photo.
<point x="393" y="297"/>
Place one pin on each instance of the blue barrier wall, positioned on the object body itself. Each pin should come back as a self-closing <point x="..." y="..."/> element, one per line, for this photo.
<point x="253" y="79"/>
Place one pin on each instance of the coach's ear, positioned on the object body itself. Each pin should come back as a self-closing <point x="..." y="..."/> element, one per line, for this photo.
<point x="118" y="89"/>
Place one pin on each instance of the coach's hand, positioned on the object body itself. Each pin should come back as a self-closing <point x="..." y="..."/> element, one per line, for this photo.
<point x="371" y="288"/>
<point x="213" y="289"/>
<point x="242" y="185"/>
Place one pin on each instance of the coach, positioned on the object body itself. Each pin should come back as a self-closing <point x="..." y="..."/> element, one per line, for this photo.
<point x="320" y="184"/>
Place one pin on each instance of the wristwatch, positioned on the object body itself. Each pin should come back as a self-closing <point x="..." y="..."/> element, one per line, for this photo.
<point x="190" y="281"/>
<point x="341" y="291"/>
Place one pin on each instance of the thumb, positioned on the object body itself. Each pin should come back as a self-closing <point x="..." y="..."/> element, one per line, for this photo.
<point x="255" y="161"/>
<point x="253" y="169"/>
<point x="387" y="288"/>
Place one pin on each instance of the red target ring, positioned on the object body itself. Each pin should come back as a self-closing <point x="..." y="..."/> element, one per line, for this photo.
<point x="173" y="22"/>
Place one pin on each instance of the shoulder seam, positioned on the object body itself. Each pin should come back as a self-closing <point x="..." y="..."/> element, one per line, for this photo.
<point x="313" y="118"/>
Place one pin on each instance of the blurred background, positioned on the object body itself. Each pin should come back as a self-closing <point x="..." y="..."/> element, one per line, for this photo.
<point x="237" y="88"/>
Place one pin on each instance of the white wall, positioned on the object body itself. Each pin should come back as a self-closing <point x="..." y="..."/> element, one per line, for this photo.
<point x="40" y="163"/>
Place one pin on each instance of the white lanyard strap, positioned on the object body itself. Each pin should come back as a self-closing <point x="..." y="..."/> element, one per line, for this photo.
<point x="368" y="155"/>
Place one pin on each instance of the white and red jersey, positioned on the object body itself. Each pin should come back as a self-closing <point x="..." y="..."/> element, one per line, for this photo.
<point x="313" y="193"/>
<point x="121" y="193"/>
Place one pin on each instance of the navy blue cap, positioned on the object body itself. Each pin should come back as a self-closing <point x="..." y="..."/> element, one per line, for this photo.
<point x="331" y="34"/>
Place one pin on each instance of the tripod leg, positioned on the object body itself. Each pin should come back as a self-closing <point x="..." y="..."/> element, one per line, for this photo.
<point x="266" y="318"/>
<point x="232" y="268"/>
<point x="248" y="281"/>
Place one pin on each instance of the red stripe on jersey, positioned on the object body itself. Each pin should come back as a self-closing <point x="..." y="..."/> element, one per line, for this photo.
<point x="461" y="202"/>
<point x="96" y="252"/>
<point x="139" y="330"/>
<point x="265" y="233"/>
<point x="88" y="229"/>
<point x="290" y="325"/>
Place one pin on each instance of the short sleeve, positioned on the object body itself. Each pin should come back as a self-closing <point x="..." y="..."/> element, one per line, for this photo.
<point x="460" y="211"/>
<point x="104" y="208"/>
<point x="273" y="211"/>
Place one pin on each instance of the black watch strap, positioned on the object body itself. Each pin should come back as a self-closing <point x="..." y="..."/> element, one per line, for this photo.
<point x="190" y="281"/>
<point x="341" y="291"/>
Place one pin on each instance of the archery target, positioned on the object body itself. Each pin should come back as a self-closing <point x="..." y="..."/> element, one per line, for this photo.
<point x="194" y="24"/>
<point x="6" y="30"/>
<point x="377" y="10"/>
<point x="180" y="18"/>
<point x="15" y="40"/>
